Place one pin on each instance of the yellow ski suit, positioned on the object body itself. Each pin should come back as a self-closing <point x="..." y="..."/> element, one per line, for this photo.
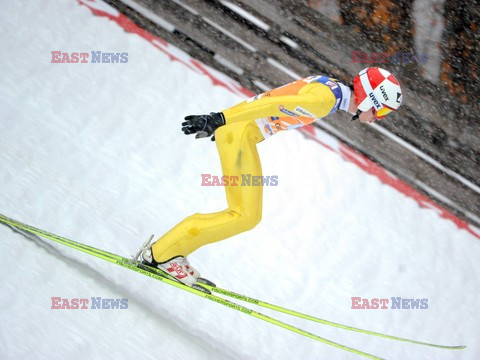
<point x="246" y="124"/>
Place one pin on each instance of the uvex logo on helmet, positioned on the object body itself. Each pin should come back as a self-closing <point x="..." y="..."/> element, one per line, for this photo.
<point x="375" y="101"/>
<point x="384" y="93"/>
<point x="378" y="89"/>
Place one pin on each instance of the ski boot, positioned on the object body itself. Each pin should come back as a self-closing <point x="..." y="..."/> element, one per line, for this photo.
<point x="177" y="268"/>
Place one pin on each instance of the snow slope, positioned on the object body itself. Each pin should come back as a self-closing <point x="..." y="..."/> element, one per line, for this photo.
<point x="94" y="152"/>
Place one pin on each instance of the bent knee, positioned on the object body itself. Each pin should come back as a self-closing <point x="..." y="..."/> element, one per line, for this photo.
<point x="247" y="221"/>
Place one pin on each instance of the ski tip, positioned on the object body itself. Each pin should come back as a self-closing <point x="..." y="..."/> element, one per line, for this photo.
<point x="454" y="347"/>
<point x="206" y="282"/>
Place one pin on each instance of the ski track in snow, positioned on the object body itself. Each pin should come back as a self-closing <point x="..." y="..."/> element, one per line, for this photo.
<point x="94" y="152"/>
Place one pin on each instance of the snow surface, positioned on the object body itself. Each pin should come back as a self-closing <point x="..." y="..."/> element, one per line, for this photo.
<point x="94" y="152"/>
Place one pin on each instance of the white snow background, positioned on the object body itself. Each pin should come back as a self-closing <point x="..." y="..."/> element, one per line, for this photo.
<point x="94" y="152"/>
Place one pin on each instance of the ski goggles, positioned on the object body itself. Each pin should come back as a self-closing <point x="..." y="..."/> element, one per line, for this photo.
<point x="381" y="113"/>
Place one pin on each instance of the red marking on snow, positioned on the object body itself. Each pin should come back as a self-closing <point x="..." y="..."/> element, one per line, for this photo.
<point x="100" y="8"/>
<point x="386" y="178"/>
<point x="223" y="80"/>
<point x="309" y="129"/>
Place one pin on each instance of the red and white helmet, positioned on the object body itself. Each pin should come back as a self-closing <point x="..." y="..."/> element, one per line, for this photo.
<point x="378" y="89"/>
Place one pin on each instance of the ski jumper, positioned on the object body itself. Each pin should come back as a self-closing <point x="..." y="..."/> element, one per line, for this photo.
<point x="288" y="107"/>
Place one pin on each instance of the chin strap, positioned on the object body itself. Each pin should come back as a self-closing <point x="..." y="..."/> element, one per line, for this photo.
<point x="355" y="117"/>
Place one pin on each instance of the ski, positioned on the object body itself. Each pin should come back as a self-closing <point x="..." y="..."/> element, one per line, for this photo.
<point x="127" y="263"/>
<point x="205" y="288"/>
<point x="215" y="289"/>
<point x="229" y="293"/>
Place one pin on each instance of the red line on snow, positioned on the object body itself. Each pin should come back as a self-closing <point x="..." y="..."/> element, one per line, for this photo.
<point x="99" y="8"/>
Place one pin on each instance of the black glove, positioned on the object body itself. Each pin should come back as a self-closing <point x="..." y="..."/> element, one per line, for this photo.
<point x="203" y="125"/>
